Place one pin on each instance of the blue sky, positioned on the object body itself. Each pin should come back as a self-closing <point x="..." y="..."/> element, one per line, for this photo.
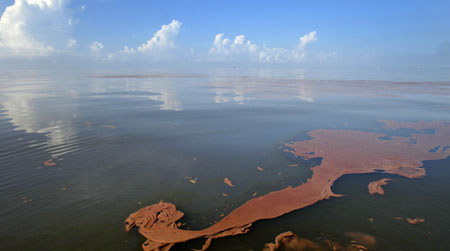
<point x="344" y="32"/>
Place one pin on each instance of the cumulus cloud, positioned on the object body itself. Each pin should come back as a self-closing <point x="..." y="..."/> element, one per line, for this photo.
<point x="161" y="46"/>
<point x="224" y="49"/>
<point x="240" y="49"/>
<point x="307" y="39"/>
<point x="162" y="39"/>
<point x="25" y="27"/>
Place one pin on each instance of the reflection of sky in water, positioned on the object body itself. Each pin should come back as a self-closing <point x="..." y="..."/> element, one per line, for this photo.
<point x="305" y="93"/>
<point x="26" y="115"/>
<point x="229" y="122"/>
<point x="39" y="107"/>
<point x="52" y="106"/>
<point x="226" y="95"/>
<point x="164" y="92"/>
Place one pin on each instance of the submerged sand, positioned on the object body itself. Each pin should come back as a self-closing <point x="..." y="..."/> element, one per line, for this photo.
<point x="342" y="152"/>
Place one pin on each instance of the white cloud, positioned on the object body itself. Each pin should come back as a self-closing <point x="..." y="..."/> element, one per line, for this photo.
<point x="127" y="50"/>
<point x="71" y="43"/>
<point x="162" y="39"/>
<point x="96" y="46"/>
<point x="223" y="49"/>
<point x="274" y="55"/>
<point x="244" y="50"/>
<point x="31" y="28"/>
<point x="161" y="46"/>
<point x="307" y="39"/>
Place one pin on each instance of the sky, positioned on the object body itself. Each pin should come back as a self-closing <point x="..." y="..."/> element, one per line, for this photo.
<point x="333" y="33"/>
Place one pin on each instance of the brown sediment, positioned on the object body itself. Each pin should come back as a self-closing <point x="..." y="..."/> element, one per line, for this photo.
<point x="110" y="126"/>
<point x="228" y="182"/>
<point x="259" y="168"/>
<point x="415" y="221"/>
<point x="342" y="152"/>
<point x="49" y="162"/>
<point x="375" y="186"/>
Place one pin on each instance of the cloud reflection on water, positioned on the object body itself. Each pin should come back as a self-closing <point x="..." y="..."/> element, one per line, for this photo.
<point x="51" y="107"/>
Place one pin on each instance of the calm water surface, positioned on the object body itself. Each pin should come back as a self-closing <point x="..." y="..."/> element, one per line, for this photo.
<point x="115" y="144"/>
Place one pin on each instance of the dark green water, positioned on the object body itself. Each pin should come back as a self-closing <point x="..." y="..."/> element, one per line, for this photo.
<point x="205" y="125"/>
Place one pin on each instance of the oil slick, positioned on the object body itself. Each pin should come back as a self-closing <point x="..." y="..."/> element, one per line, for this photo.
<point x="342" y="152"/>
<point x="228" y="182"/>
<point x="376" y="186"/>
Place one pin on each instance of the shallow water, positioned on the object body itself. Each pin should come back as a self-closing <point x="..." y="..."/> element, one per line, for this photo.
<point x="120" y="143"/>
